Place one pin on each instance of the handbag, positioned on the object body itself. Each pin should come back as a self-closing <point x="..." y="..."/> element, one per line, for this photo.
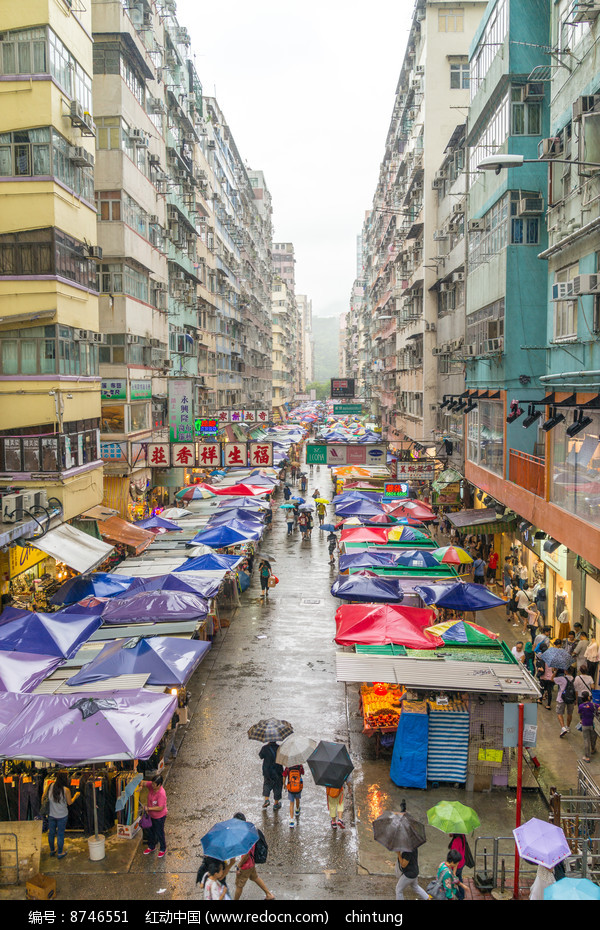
<point x="435" y="890"/>
<point x="469" y="860"/>
<point x="146" y="820"/>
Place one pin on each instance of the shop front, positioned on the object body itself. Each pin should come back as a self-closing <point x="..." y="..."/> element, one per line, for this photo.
<point x="30" y="577"/>
<point x="559" y="587"/>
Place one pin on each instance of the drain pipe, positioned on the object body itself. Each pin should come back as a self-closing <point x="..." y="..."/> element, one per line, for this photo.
<point x="570" y="374"/>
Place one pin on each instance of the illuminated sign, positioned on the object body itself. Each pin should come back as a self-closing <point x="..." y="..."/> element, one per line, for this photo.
<point x="206" y="426"/>
<point x="396" y="491"/>
<point x="342" y="387"/>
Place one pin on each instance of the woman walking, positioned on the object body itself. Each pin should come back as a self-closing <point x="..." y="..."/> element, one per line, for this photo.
<point x="446" y="875"/>
<point x="458" y="842"/>
<point x="264" y="571"/>
<point x="157" y="809"/>
<point x="59" y="798"/>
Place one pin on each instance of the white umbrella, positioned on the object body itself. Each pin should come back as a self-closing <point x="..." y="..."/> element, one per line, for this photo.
<point x="175" y="513"/>
<point x="200" y="549"/>
<point x="295" y="749"/>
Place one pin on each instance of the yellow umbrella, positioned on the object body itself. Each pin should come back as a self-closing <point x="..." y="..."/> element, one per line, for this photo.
<point x="322" y="500"/>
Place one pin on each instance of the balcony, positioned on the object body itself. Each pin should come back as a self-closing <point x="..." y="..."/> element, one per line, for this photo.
<point x="527" y="471"/>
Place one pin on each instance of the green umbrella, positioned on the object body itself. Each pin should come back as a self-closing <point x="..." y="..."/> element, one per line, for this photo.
<point x="453" y="817"/>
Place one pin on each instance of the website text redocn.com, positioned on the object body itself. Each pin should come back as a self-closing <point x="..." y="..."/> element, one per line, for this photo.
<point x="366" y="917"/>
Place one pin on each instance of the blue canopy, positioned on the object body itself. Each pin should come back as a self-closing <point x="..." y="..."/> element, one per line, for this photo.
<point x="253" y="517"/>
<point x="211" y="561"/>
<point x="157" y="522"/>
<point x="170" y="661"/>
<point x="155" y="607"/>
<point x="459" y="596"/>
<point x="356" y="496"/>
<point x="60" y="634"/>
<point x="366" y="589"/>
<point x="368" y="559"/>
<point x="246" y="503"/>
<point x="358" y="509"/>
<point x="232" y="534"/>
<point x="417" y="558"/>
<point x="98" y="584"/>
<point x="176" y="581"/>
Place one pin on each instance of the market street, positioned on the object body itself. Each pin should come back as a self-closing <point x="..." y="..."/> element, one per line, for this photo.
<point x="277" y="659"/>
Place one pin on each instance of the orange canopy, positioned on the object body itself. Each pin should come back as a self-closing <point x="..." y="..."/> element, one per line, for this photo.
<point x="116" y="530"/>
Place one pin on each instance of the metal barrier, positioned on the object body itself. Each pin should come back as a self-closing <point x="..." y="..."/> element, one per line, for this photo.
<point x="579" y="816"/>
<point x="495" y="855"/>
<point x="4" y="850"/>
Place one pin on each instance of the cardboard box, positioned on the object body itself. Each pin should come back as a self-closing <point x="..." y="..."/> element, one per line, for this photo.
<point x="40" y="888"/>
<point x="129" y="830"/>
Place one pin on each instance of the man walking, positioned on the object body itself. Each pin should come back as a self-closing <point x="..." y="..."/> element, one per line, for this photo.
<point x="272" y="775"/>
<point x="479" y="570"/>
<point x="407" y="873"/>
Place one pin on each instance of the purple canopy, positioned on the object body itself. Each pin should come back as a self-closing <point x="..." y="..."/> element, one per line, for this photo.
<point x="23" y="671"/>
<point x="50" y="729"/>
<point x="182" y="579"/>
<point x="155" y="607"/>
<point x="170" y="661"/>
<point x="59" y="635"/>
<point x="238" y="514"/>
<point x="157" y="522"/>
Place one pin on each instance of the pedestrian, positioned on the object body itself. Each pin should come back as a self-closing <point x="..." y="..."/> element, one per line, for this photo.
<point x="407" y="873"/>
<point x="519" y="652"/>
<point x="309" y="524"/>
<point x="587" y="713"/>
<point x="542" y="640"/>
<point x="296" y="512"/>
<point x="290" y="522"/>
<point x="479" y="567"/>
<point x="287" y="492"/>
<point x="529" y="660"/>
<point x="157" y="810"/>
<point x="446" y="875"/>
<point x="331" y="546"/>
<point x="540" y="600"/>
<point x="507" y="572"/>
<point x="58" y="795"/>
<point x="591" y="657"/>
<point x="246" y="871"/>
<point x="321" y="512"/>
<point x="293" y="472"/>
<point x="294" y="784"/>
<point x="523" y="575"/>
<point x="303" y="484"/>
<point x="583" y="682"/>
<point x="543" y="879"/>
<point x="335" y="803"/>
<point x="511" y="591"/>
<point x="316" y="493"/>
<point x="492" y="565"/>
<point x="534" y="620"/>
<point x="302" y="523"/>
<point x="272" y="775"/>
<point x="264" y="571"/>
<point x="213" y="882"/>
<point x="547" y="683"/>
<point x="458" y="841"/>
<point x="565" y="700"/>
<point x="580" y="649"/>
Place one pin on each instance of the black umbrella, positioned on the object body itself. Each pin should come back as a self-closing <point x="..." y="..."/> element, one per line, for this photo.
<point x="399" y="832"/>
<point x="330" y="764"/>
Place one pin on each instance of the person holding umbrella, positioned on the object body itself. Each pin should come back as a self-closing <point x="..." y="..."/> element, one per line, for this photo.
<point x="402" y="834"/>
<point x="287" y="492"/>
<point x="331" y="546"/>
<point x="246" y="871"/>
<point x="213" y="883"/>
<point x="264" y="571"/>
<point x="446" y="876"/>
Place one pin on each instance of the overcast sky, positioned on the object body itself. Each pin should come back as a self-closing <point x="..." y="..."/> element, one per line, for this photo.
<point x="307" y="89"/>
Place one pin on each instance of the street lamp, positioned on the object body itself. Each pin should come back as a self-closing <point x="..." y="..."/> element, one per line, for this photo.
<point x="498" y="162"/>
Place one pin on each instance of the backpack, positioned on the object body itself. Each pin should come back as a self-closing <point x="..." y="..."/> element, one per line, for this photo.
<point x="261" y="850"/>
<point x="294" y="781"/>
<point x="569" y="694"/>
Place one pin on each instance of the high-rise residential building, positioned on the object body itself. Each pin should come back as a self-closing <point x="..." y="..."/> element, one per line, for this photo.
<point x="305" y="319"/>
<point x="344" y="363"/>
<point x="50" y="467"/>
<point x="284" y="296"/>
<point x="284" y="346"/>
<point x="257" y="300"/>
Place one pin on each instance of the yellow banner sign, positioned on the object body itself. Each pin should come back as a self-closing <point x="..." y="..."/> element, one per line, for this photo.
<point x="20" y="559"/>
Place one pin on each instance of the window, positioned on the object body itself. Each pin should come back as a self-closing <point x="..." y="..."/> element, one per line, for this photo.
<point x="23" y="51"/>
<point x="109" y="205"/>
<point x="451" y="19"/>
<point x="490" y="43"/>
<point x="493" y="135"/>
<point x="576" y="464"/>
<point x="484" y="324"/>
<point x="565" y="311"/>
<point x="459" y="76"/>
<point x="43" y="153"/>
<point x="485" y="436"/>
<point x="526" y="118"/>
<point x="115" y="278"/>
<point x="108" y="132"/>
<point x="133" y="81"/>
<point x="35" y="351"/>
<point x="113" y="418"/>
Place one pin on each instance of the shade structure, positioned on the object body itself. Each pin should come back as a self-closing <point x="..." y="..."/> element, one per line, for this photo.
<point x="295" y="749"/>
<point x="363" y="588"/>
<point x="383" y="625"/>
<point x="330" y="764"/>
<point x="358" y="508"/>
<point x="417" y="558"/>
<point x="24" y="671"/>
<point x="254" y="504"/>
<point x="572" y="889"/>
<point x="461" y="631"/>
<point x="158" y="523"/>
<point x="453" y="817"/>
<point x="49" y="728"/>
<point x="81" y="552"/>
<point x="176" y="513"/>
<point x="115" y="530"/>
<point x="178" y="580"/>
<point x="229" y="535"/>
<point x="99" y="584"/>
<point x="194" y="493"/>
<point x="418" y="510"/>
<point x="459" y="596"/>
<point x="155" y="607"/>
<point x="399" y="832"/>
<point x="452" y="555"/>
<point x="229" y="838"/>
<point x="380" y="519"/>
<point x="241" y="490"/>
<point x="253" y="518"/>
<point x="557" y="658"/>
<point x="541" y="842"/>
<point x="59" y="635"/>
<point x="212" y="562"/>
<point x="368" y="558"/>
<point x="167" y="659"/>
<point x="407" y="534"/>
<point x="374" y="534"/>
<point x="270" y="730"/>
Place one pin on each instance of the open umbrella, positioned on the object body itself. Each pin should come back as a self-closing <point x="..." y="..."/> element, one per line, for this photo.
<point x="295" y="749"/>
<point x="322" y="500"/>
<point x="572" y="889"/>
<point x="417" y="558"/>
<point x="308" y="507"/>
<point x="399" y="832"/>
<point x="541" y="842"/>
<point x="286" y="507"/>
<point x="328" y="527"/>
<point x="452" y="555"/>
<point x="330" y="764"/>
<point x="270" y="730"/>
<point x="229" y="838"/>
<point x="459" y="596"/>
<point x="453" y="817"/>
<point x="462" y="631"/>
<point x="557" y="658"/>
<point x="194" y="493"/>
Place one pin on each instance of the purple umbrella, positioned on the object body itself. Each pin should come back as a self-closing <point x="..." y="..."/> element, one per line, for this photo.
<point x="155" y="607"/>
<point x="157" y="523"/>
<point x="182" y="579"/>
<point x="541" y="842"/>
<point x="23" y="671"/>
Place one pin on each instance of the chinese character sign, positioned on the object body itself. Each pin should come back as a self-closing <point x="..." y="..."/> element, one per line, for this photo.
<point x="421" y="471"/>
<point x="183" y="455"/>
<point x="261" y="453"/>
<point x="159" y="454"/>
<point x="223" y="416"/>
<point x="209" y="453"/>
<point x="115" y="390"/>
<point x="235" y="453"/>
<point x="249" y="416"/>
<point x="236" y="416"/>
<point x="262" y="416"/>
<point x="181" y="412"/>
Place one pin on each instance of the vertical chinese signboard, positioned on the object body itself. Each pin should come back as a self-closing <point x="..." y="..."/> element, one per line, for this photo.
<point x="181" y="410"/>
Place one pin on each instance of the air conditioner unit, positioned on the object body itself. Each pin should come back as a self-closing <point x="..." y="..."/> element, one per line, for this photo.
<point x="562" y="291"/>
<point x="584" y="11"/>
<point x="439" y="235"/>
<point x="153" y="220"/>
<point x="155" y="343"/>
<point x="94" y="251"/>
<point x="440" y="175"/>
<point x="189" y="137"/>
<point x="550" y="148"/>
<point x="534" y="90"/>
<point x="12" y="508"/>
<point x="584" y="105"/>
<point x="477" y="225"/>
<point x="76" y="113"/>
<point x="458" y="209"/>
<point x="437" y="183"/>
<point x="416" y="86"/>
<point x="132" y="339"/>
<point x="99" y="338"/>
<point x="446" y="286"/>
<point x="531" y="206"/>
<point x="178" y="275"/>
<point x="212" y="144"/>
<point x="585" y="284"/>
<point x="80" y="335"/>
<point x="458" y="277"/>
<point x="153" y="160"/>
<point x="81" y="157"/>
<point x="420" y="69"/>
<point x="159" y="286"/>
<point x="167" y="363"/>
<point x="470" y="349"/>
<point x="438" y="350"/>
<point x="413" y="113"/>
<point x="493" y="345"/>
<point x="138" y="137"/>
<point x="430" y="327"/>
<point x="453" y="227"/>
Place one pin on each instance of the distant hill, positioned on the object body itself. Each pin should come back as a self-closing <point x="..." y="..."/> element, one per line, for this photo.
<point x="326" y="335"/>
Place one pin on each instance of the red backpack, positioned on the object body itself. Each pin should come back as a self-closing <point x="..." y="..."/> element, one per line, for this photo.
<point x="294" y="781"/>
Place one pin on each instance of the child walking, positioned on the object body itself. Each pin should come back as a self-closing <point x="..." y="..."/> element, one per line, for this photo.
<point x="294" y="784"/>
<point x="335" y="802"/>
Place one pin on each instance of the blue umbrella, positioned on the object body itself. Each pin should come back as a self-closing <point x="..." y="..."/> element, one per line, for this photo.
<point x="229" y="838"/>
<point x="229" y="535"/>
<point x="299" y="499"/>
<point x="417" y="558"/>
<point x="243" y="516"/>
<point x="212" y="561"/>
<point x="572" y="889"/>
<point x="329" y="527"/>
<point x="366" y="588"/>
<point x="368" y="559"/>
<point x="458" y="596"/>
<point x="557" y="658"/>
<point x="98" y="584"/>
<point x="157" y="522"/>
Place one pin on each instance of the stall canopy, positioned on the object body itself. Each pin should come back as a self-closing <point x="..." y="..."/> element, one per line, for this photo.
<point x="24" y="671"/>
<point x="213" y="562"/>
<point x="99" y="584"/>
<point x="50" y="728"/>
<point x="178" y="580"/>
<point x="355" y="508"/>
<point x="417" y="510"/>
<point x="233" y="534"/>
<point x="369" y="558"/>
<point x="158" y="523"/>
<point x="168" y="660"/>
<point x="115" y="530"/>
<point x="79" y="551"/>
<point x="382" y="624"/>
<point x="252" y="517"/>
<point x="459" y="596"/>
<point x="365" y="534"/>
<point x="59" y="635"/>
<point x="240" y="490"/>
<point x="155" y="607"/>
<point x="483" y="520"/>
<point x="364" y="588"/>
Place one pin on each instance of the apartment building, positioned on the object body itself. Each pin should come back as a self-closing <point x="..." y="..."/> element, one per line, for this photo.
<point x="287" y="331"/>
<point x="308" y="346"/>
<point x="49" y="368"/>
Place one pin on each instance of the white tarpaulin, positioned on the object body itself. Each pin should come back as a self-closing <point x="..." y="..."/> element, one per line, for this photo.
<point x="79" y="551"/>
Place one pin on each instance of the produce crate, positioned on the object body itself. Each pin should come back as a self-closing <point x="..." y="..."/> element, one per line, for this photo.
<point x="40" y="888"/>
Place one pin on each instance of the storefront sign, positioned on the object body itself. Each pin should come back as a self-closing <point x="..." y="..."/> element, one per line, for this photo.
<point x="223" y="416"/>
<point x="316" y="455"/>
<point x="113" y="452"/>
<point x="346" y="454"/>
<point x="181" y="410"/>
<point x="345" y="409"/>
<point x="249" y="416"/>
<point x="396" y="491"/>
<point x="235" y="453"/>
<point x="183" y="455"/>
<point x="262" y="416"/>
<point x="20" y="559"/>
<point x="557" y="560"/>
<point x="206" y="426"/>
<point x="159" y="454"/>
<point x="342" y="387"/>
<point x="114" y="390"/>
<point x="261" y="453"/>
<point x="209" y="453"/>
<point x="419" y="471"/>
<point x="140" y="390"/>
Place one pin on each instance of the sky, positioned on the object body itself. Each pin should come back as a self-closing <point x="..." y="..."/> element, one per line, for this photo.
<point x="307" y="89"/>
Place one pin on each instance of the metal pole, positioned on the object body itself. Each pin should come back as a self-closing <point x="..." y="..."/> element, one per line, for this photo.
<point x="519" y="795"/>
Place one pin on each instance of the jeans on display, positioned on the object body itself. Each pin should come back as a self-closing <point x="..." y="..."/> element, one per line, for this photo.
<point x="56" y="829"/>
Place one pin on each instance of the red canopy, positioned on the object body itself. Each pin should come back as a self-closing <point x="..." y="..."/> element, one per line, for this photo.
<point x="383" y="624"/>
<point x="418" y="510"/>
<point x="365" y="534"/>
<point x="238" y="490"/>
